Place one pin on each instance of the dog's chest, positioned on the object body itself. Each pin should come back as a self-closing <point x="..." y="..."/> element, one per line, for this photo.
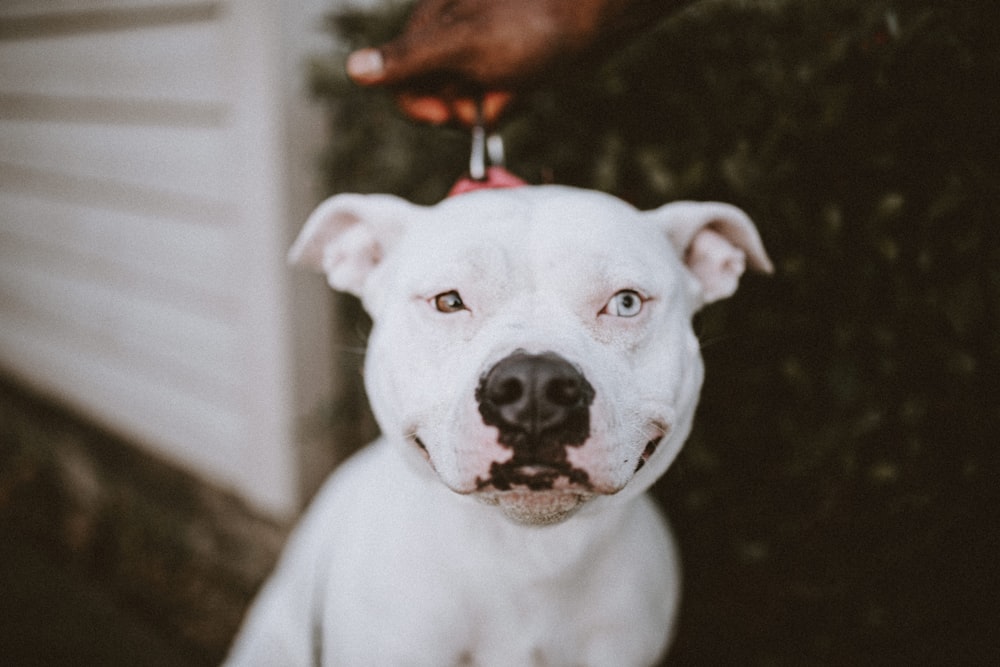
<point x="420" y="576"/>
<point x="515" y="632"/>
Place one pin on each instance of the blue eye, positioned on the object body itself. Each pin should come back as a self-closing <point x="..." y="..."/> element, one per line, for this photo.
<point x="626" y="303"/>
<point x="449" y="302"/>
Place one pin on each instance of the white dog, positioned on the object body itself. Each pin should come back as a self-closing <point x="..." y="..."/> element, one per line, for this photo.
<point x="533" y="369"/>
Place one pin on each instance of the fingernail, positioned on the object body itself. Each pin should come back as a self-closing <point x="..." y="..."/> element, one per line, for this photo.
<point x="427" y="109"/>
<point x="365" y="64"/>
<point x="494" y="103"/>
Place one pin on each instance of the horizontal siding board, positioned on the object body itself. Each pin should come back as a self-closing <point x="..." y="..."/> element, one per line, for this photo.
<point x="158" y="373"/>
<point x="190" y="352"/>
<point x="95" y="192"/>
<point x="50" y="21"/>
<point x="180" y="263"/>
<point x="92" y="109"/>
<point x="172" y="62"/>
<point x="194" y="433"/>
<point x="42" y="8"/>
<point x="180" y="161"/>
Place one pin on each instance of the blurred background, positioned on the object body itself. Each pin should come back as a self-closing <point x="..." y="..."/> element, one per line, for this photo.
<point x="171" y="394"/>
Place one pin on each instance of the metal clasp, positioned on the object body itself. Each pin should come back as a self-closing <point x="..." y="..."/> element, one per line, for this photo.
<point x="487" y="149"/>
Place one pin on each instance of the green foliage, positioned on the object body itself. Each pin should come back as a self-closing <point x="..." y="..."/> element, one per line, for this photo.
<point x="372" y="147"/>
<point x="834" y="502"/>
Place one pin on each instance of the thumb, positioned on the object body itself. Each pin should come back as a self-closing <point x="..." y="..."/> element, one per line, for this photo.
<point x="366" y="66"/>
<point x="434" y="35"/>
<point x="412" y="56"/>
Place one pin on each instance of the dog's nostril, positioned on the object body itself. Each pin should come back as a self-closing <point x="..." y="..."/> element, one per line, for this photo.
<point x="508" y="391"/>
<point x="564" y="392"/>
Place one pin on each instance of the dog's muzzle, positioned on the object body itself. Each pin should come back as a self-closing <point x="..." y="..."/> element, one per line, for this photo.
<point x="540" y="405"/>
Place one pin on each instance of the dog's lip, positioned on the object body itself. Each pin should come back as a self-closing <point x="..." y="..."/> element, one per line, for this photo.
<point x="536" y="507"/>
<point x="419" y="444"/>
<point x="658" y="431"/>
<point x="528" y="496"/>
<point x="555" y="481"/>
<point x="521" y="491"/>
<point x="534" y="469"/>
<point x="534" y="475"/>
<point x="648" y="452"/>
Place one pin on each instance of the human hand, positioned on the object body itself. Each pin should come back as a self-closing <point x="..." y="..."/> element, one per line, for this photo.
<point x="453" y="54"/>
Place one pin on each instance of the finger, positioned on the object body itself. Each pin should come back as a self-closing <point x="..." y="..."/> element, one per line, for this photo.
<point x="461" y="110"/>
<point x="436" y="39"/>
<point x="466" y="110"/>
<point x="425" y="108"/>
<point x="416" y="56"/>
<point x="366" y="66"/>
<point x="395" y="62"/>
<point x="495" y="103"/>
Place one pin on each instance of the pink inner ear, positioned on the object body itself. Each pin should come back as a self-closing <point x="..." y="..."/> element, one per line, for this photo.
<point x="716" y="263"/>
<point x="350" y="258"/>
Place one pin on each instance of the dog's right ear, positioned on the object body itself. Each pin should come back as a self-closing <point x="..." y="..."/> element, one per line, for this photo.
<point x="347" y="237"/>
<point x="716" y="242"/>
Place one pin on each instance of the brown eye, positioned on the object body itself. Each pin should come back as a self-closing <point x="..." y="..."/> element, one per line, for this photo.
<point x="449" y="302"/>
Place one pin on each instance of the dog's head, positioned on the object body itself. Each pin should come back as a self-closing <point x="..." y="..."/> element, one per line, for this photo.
<point x="534" y="345"/>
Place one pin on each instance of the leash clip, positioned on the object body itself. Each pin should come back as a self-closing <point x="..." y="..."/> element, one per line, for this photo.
<point x="487" y="149"/>
<point x="486" y="163"/>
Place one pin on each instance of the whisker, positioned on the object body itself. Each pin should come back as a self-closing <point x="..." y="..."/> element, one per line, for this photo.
<point x="715" y="340"/>
<point x="350" y="349"/>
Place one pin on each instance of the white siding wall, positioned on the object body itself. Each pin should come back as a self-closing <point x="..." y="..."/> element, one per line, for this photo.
<point x="147" y="196"/>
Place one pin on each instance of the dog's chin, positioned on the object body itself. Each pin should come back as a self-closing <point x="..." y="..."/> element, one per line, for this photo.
<point x="536" y="508"/>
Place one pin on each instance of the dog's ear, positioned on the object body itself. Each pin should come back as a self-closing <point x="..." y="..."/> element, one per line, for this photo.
<point x="348" y="235"/>
<point x="716" y="242"/>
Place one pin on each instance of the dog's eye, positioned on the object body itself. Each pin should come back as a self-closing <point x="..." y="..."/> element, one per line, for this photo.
<point x="626" y="303"/>
<point x="449" y="302"/>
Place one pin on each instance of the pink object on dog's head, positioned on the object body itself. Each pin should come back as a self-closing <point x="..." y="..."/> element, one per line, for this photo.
<point x="496" y="177"/>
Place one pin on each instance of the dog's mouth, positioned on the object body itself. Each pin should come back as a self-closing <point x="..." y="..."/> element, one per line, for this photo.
<point x="517" y="476"/>
<point x="415" y="439"/>
<point x="539" y="489"/>
<point x="531" y="493"/>
<point x="648" y="452"/>
<point x="534" y="476"/>
<point x="538" y="494"/>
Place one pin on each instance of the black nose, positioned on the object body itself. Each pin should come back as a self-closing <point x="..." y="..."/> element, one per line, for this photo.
<point x="536" y="398"/>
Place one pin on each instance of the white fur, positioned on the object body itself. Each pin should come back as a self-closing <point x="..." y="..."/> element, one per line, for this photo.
<point x="401" y="560"/>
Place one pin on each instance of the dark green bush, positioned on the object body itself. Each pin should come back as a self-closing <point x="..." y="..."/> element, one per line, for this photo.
<point x="836" y="503"/>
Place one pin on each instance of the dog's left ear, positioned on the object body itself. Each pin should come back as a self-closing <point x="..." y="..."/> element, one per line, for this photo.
<point x="348" y="235"/>
<point x="716" y="242"/>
